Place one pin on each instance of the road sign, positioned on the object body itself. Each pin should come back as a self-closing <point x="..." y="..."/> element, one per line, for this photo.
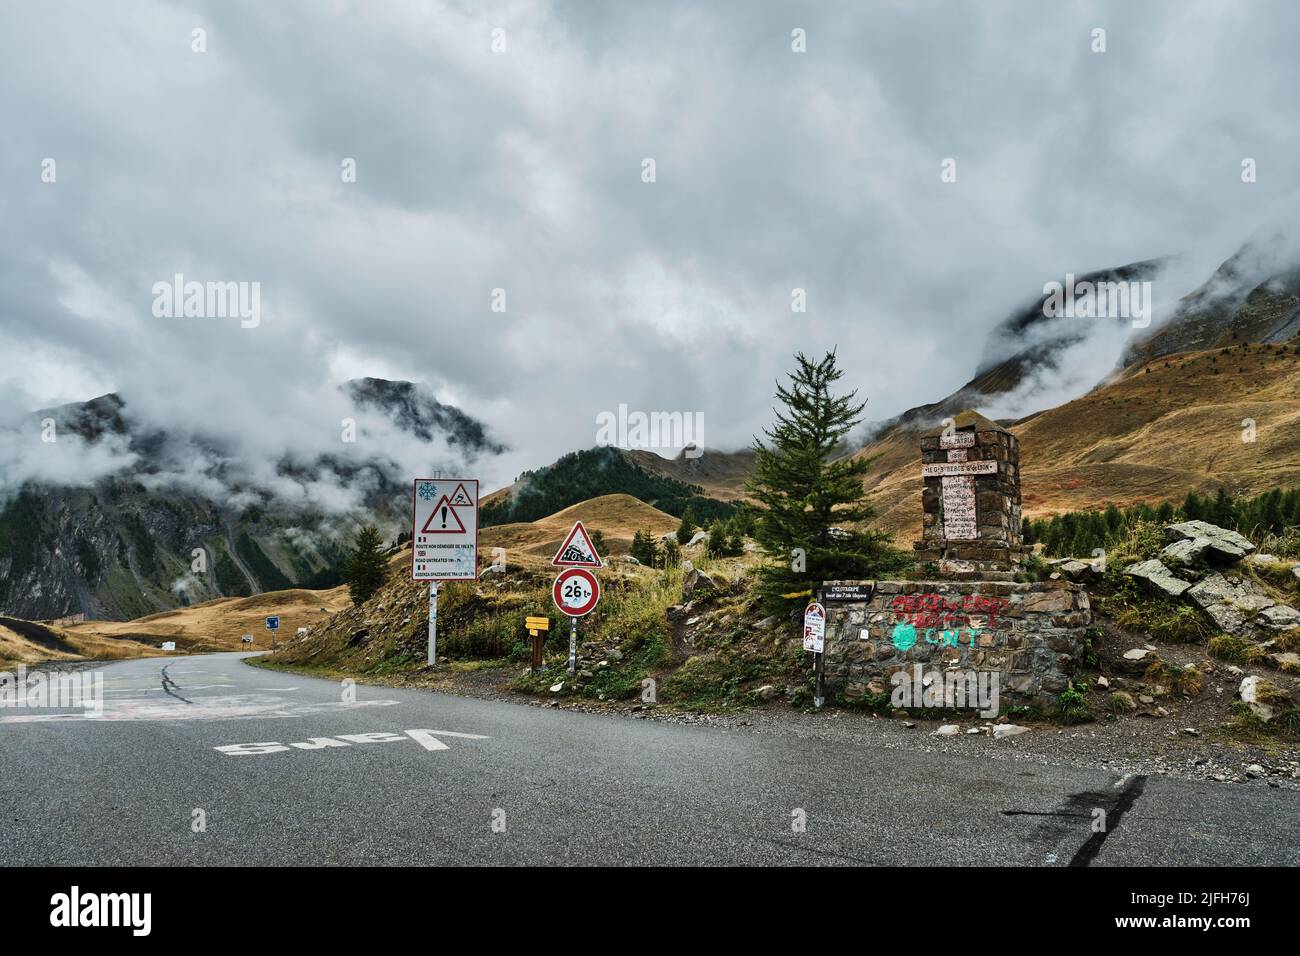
<point x="537" y="623"/>
<point x="444" y="529"/>
<point x="576" y="592"/>
<point x="814" y="628"/>
<point x="272" y="623"/>
<point x="577" y="550"/>
<point x="246" y="639"/>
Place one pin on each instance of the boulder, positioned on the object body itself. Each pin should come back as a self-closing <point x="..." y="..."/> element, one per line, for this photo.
<point x="1287" y="660"/>
<point x="1124" y="699"/>
<point x="1280" y="616"/>
<point x="1007" y="730"/>
<point x="696" y="580"/>
<point x="947" y="730"/>
<point x="1211" y="540"/>
<point x="1231" y="601"/>
<point x="1074" y="569"/>
<point x="1262" y="697"/>
<point x="697" y="538"/>
<point x="1158" y="576"/>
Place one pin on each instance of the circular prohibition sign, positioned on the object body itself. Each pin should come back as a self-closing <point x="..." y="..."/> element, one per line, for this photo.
<point x="576" y="592"/>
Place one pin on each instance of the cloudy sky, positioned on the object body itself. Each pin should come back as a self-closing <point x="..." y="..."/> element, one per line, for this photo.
<point x="520" y="168"/>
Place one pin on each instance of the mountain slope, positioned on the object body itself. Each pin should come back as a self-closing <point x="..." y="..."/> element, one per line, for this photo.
<point x="618" y="517"/>
<point x="149" y="536"/>
<point x="1154" y="433"/>
<point x="584" y="475"/>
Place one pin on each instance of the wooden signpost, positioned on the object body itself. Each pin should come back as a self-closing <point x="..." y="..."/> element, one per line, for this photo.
<point x="537" y="628"/>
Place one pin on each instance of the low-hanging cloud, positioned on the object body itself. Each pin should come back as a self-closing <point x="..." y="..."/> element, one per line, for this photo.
<point x="521" y="171"/>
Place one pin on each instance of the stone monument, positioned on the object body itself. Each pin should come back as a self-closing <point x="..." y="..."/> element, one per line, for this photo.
<point x="964" y="614"/>
<point x="970" y="501"/>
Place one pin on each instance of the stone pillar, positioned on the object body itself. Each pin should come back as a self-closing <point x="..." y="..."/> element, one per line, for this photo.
<point x="970" y="501"/>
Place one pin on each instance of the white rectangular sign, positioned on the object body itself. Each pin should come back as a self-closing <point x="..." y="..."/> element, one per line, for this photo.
<point x="957" y="440"/>
<point x="814" y="628"/>
<point x="959" y="508"/>
<point x="942" y="469"/>
<point x="444" y="529"/>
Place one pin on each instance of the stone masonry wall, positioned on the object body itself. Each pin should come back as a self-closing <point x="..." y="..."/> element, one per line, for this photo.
<point x="1032" y="633"/>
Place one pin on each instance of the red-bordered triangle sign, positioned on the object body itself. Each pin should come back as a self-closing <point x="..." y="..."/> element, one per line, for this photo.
<point x="577" y="550"/>
<point x="443" y="519"/>
<point x="460" y="497"/>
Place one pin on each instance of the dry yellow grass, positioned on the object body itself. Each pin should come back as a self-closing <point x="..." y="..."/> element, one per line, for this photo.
<point x="618" y="517"/>
<point x="1143" y="437"/>
<point x="216" y="625"/>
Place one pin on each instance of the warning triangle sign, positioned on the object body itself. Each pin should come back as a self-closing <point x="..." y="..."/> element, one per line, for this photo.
<point x="577" y="550"/>
<point x="443" y="519"/>
<point x="460" y="496"/>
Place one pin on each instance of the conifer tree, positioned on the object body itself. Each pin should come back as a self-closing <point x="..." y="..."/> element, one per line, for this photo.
<point x="367" y="566"/>
<point x="806" y="490"/>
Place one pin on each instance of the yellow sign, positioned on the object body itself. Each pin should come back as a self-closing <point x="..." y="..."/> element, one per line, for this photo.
<point x="537" y="624"/>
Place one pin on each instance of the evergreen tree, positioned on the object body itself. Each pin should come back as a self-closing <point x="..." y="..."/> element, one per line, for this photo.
<point x="598" y="542"/>
<point x="672" y="555"/>
<point x="1114" y="520"/>
<point x="644" y="548"/>
<point x="686" y="529"/>
<point x="367" y="567"/>
<point x="718" y="540"/>
<point x="805" y="490"/>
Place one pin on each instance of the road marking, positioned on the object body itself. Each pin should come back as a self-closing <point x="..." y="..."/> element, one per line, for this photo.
<point x="425" y="738"/>
<point x="237" y="707"/>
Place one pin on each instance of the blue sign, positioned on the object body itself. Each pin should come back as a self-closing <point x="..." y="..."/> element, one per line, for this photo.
<point x="272" y="623"/>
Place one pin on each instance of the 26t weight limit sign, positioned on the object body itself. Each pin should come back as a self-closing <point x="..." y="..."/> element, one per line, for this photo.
<point x="576" y="592"/>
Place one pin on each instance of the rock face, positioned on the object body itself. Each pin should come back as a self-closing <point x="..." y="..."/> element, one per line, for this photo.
<point x="1232" y="601"/>
<point x="1030" y="633"/>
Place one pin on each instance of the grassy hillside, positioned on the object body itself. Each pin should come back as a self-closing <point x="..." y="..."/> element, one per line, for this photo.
<point x="1154" y="433"/>
<point x="618" y="517"/>
<point x="584" y="475"/>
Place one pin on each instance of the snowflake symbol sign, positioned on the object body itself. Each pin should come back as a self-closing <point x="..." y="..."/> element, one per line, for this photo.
<point x="426" y="490"/>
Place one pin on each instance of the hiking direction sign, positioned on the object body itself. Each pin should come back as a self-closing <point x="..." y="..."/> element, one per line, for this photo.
<point x="577" y="550"/>
<point x="444" y="529"/>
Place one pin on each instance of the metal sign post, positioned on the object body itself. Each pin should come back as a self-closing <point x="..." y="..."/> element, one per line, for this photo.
<point x="814" y="640"/>
<point x="573" y="645"/>
<point x="444" y="539"/>
<point x="433" y="623"/>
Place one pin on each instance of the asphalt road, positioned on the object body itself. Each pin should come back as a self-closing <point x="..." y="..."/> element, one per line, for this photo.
<point x="527" y="784"/>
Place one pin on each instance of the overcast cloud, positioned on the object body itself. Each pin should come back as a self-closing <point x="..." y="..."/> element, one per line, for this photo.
<point x="522" y="170"/>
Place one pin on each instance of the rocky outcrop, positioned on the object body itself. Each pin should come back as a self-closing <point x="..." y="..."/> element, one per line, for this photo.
<point x="1231" y="598"/>
<point x="1194" y="540"/>
<point x="1158" y="576"/>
